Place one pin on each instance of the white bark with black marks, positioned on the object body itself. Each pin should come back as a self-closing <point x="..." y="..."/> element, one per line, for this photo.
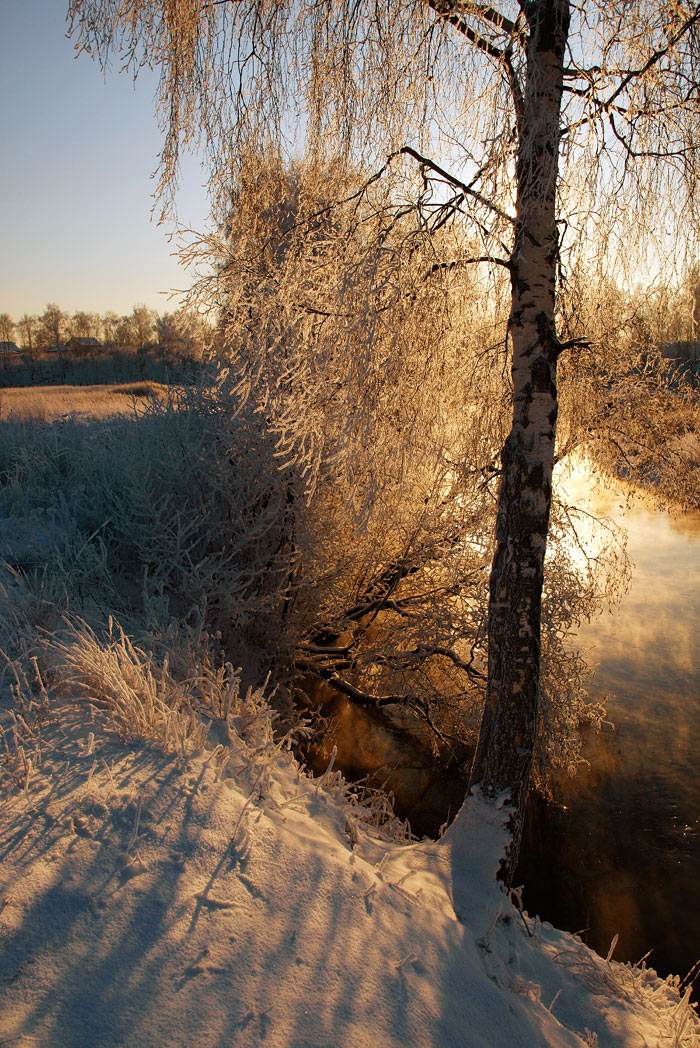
<point x="509" y="725"/>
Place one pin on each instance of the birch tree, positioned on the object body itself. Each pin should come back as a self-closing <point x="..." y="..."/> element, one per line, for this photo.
<point x="27" y="325"/>
<point x="560" y="133"/>
<point x="52" y="324"/>
<point x="7" y="327"/>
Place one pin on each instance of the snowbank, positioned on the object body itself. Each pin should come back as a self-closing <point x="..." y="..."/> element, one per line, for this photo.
<point x="152" y="899"/>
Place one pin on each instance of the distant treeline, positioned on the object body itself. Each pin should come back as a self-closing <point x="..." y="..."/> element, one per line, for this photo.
<point x="114" y="365"/>
<point x="179" y="331"/>
<point x="89" y="348"/>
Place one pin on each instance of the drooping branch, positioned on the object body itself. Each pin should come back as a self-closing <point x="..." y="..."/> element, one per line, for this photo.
<point x="454" y="13"/>
<point x="653" y="59"/>
<point x="452" y="180"/>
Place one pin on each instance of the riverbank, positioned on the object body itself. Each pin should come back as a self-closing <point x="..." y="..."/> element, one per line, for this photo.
<point x="178" y="899"/>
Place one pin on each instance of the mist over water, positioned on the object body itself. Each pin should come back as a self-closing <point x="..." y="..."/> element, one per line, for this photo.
<point x="619" y="851"/>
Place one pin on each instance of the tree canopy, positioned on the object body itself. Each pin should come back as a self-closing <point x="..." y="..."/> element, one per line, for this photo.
<point x="443" y="77"/>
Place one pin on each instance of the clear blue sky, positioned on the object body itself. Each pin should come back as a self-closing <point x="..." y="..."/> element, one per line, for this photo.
<point x="77" y="155"/>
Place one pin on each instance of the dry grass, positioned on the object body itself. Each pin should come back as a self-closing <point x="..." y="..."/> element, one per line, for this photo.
<point x="176" y="699"/>
<point x="50" y="403"/>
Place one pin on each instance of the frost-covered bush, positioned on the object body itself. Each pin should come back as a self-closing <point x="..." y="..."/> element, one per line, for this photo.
<point x="154" y="518"/>
<point x="380" y="366"/>
<point x="168" y="689"/>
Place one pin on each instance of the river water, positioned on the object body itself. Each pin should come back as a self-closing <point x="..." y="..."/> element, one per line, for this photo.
<point x="618" y="850"/>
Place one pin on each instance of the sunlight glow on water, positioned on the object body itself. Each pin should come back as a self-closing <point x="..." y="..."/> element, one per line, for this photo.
<point x="621" y="851"/>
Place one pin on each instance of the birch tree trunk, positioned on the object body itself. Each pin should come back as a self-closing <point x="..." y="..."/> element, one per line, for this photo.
<point x="509" y="724"/>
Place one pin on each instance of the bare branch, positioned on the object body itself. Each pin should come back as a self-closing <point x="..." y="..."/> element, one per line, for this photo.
<point x="475" y="260"/>
<point x="432" y="166"/>
<point x="489" y="14"/>
<point x="356" y="695"/>
<point x="448" y="653"/>
<point x="653" y="59"/>
<point x="453" y="12"/>
<point x="450" y="12"/>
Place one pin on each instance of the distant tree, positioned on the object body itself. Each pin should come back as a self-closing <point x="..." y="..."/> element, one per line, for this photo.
<point x="124" y="331"/>
<point x="169" y="334"/>
<point x="28" y="331"/>
<point x="7" y="328"/>
<point x="109" y="325"/>
<point x="85" y="325"/>
<point x="53" y="325"/>
<point x="143" y="323"/>
<point x="183" y="332"/>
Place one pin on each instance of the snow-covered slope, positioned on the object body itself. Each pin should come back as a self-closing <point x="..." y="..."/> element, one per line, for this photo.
<point x="146" y="901"/>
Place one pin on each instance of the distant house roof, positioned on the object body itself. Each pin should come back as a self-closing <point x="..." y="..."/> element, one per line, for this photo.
<point x="9" y="347"/>
<point x="56" y="349"/>
<point x="78" y="342"/>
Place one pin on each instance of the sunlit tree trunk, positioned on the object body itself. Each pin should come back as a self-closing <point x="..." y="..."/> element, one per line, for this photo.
<point x="509" y="724"/>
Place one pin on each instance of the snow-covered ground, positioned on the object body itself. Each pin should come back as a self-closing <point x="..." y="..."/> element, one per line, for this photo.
<point x="170" y="878"/>
<point x="148" y="899"/>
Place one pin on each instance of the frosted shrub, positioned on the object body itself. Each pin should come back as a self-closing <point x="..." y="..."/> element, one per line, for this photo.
<point x="155" y="518"/>
<point x="169" y="690"/>
<point x="157" y="695"/>
<point x="140" y="696"/>
<point x="334" y="306"/>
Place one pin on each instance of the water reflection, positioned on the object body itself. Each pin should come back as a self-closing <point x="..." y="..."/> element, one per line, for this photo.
<point x="620" y="851"/>
<point x="391" y="749"/>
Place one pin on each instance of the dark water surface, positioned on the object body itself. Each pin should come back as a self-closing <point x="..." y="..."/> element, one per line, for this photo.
<point x="620" y="852"/>
<point x="391" y="750"/>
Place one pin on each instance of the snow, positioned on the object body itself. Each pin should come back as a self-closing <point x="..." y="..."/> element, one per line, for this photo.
<point x="148" y="899"/>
